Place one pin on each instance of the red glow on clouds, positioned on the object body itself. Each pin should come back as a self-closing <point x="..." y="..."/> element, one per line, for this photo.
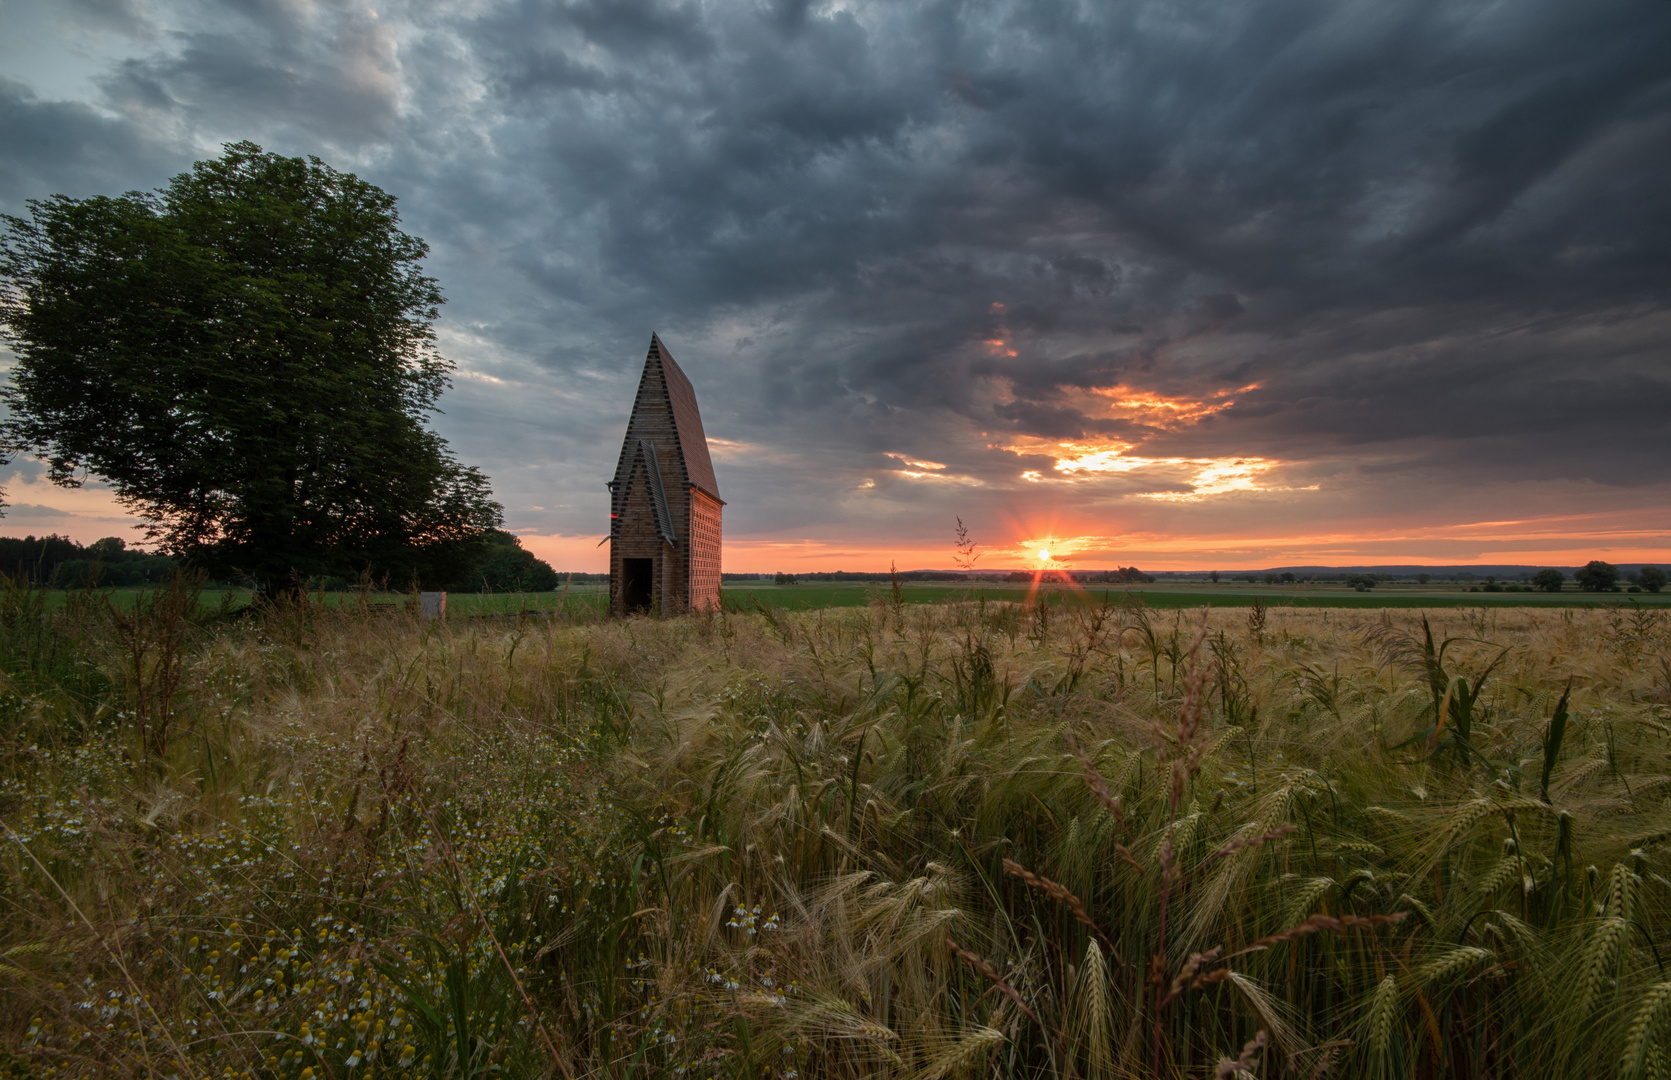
<point x="1167" y="411"/>
<point x="999" y="343"/>
<point x="1173" y="478"/>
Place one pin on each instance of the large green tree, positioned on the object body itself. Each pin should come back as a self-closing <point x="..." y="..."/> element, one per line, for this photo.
<point x="1596" y="576"/>
<point x="248" y="357"/>
<point x="506" y="566"/>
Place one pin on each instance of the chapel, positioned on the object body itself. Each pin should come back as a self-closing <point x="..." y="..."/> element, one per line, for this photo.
<point x="664" y="506"/>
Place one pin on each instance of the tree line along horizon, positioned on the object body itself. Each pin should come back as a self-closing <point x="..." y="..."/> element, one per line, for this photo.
<point x="60" y="562"/>
<point x="247" y="356"/>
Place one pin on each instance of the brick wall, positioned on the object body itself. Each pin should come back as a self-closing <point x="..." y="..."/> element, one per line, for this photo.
<point x="704" y="535"/>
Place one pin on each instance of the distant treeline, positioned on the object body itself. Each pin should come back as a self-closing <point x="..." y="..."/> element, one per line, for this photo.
<point x="1125" y="574"/>
<point x="1597" y="576"/>
<point x="845" y="575"/>
<point x="62" y="563"/>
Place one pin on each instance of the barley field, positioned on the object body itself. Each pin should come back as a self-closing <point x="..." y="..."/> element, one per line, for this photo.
<point x="905" y="841"/>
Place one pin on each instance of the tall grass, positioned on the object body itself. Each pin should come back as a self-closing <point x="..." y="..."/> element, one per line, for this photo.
<point x="929" y="841"/>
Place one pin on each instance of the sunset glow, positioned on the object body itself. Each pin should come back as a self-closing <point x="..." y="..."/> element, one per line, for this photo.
<point x="1173" y="478"/>
<point x="1635" y="535"/>
<point x="1165" y="411"/>
<point x="935" y="466"/>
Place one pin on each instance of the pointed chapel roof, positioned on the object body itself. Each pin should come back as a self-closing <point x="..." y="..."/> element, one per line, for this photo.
<point x="662" y="374"/>
<point x="687" y="421"/>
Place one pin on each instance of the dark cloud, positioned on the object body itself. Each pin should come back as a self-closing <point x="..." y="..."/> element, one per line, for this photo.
<point x="1436" y="237"/>
<point x="69" y="147"/>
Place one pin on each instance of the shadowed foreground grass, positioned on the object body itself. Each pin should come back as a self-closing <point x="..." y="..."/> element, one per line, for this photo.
<point x="927" y="841"/>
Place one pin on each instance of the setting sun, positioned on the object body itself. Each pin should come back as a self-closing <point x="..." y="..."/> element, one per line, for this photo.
<point x="1044" y="554"/>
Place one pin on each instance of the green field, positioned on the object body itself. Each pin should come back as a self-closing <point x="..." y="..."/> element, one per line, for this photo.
<point x="814" y="595"/>
<point x="591" y="598"/>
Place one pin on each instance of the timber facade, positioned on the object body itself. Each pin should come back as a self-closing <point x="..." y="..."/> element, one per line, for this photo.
<point x="664" y="507"/>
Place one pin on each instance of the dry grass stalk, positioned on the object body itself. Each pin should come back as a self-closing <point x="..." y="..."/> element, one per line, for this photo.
<point x="1245" y="1062"/>
<point x="997" y="980"/>
<point x="1190" y="977"/>
<point x="1099" y="788"/>
<point x="1246" y="842"/>
<point x="1316" y="924"/>
<point x="1061" y="893"/>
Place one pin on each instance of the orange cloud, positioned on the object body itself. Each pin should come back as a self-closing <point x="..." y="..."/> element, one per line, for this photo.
<point x="927" y="470"/>
<point x="902" y="459"/>
<point x="1154" y="409"/>
<point x="999" y="344"/>
<point x="1202" y="476"/>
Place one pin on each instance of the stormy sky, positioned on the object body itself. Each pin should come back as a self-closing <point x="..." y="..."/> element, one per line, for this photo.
<point x="1170" y="284"/>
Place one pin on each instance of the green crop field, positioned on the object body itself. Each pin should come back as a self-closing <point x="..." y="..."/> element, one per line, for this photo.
<point x="810" y="595"/>
<point x="579" y="599"/>
<point x="592" y="597"/>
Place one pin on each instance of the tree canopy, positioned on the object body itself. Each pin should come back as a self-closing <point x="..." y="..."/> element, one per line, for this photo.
<point x="247" y="356"/>
<point x="1548" y="580"/>
<point x="1596" y="576"/>
<point x="506" y="566"/>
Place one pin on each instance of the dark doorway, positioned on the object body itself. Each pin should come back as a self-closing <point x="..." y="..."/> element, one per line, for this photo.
<point x="638" y="576"/>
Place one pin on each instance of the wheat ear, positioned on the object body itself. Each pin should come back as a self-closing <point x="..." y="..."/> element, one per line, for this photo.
<point x="1599" y="956"/>
<point x="1097" y="1011"/>
<point x="1451" y="964"/>
<point x="1644" y="1028"/>
<point x="1383" y="1011"/>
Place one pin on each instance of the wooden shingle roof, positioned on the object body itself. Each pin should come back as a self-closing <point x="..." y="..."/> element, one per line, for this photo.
<point x="687" y="421"/>
<point x="666" y="404"/>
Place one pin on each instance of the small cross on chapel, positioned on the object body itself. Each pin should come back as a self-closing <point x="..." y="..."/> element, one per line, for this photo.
<point x="664" y="506"/>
